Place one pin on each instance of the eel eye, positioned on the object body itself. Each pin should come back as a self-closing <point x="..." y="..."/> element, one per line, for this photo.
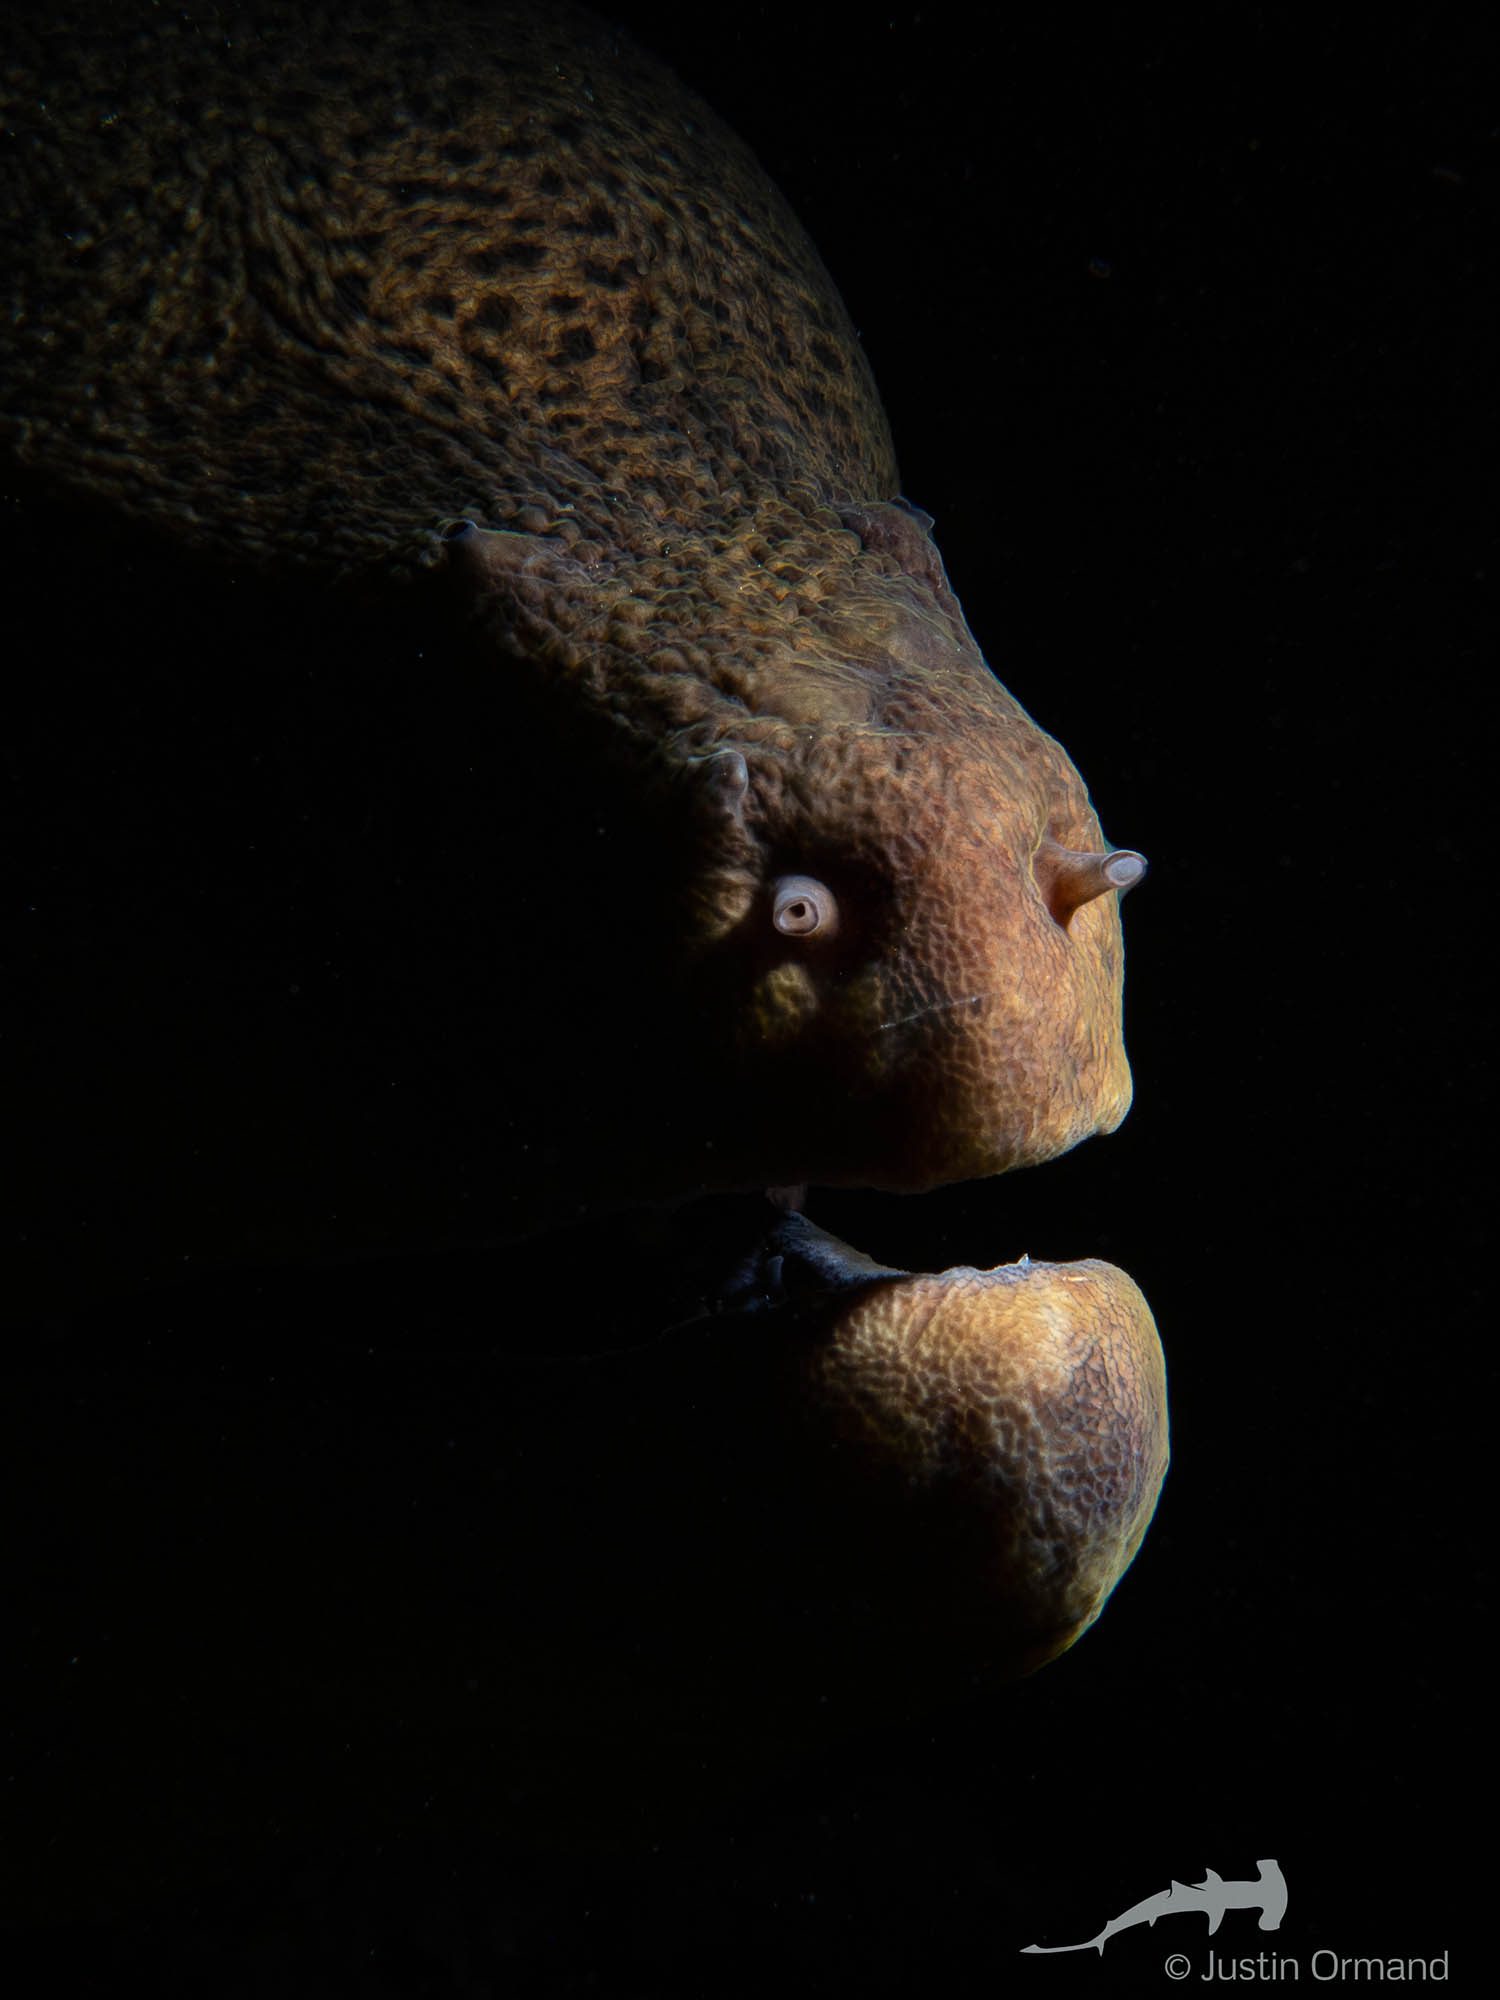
<point x="802" y="907"/>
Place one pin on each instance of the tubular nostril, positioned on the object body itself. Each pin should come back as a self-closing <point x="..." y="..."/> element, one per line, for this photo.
<point x="1125" y="868"/>
<point x="1068" y="879"/>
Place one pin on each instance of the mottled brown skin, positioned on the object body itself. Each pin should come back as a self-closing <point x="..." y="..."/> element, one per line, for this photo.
<point x="1011" y="1427"/>
<point x="482" y="312"/>
<point x="305" y="288"/>
<point x="588" y="1593"/>
<point x="850" y="1479"/>
<point x="1031" y="1400"/>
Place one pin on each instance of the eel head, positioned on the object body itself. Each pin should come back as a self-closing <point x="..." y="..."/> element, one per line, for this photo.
<point x="911" y="918"/>
<point x="886" y="946"/>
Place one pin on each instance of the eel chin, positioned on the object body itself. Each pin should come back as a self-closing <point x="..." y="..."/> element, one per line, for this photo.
<point x="833" y="1497"/>
<point x="992" y="1443"/>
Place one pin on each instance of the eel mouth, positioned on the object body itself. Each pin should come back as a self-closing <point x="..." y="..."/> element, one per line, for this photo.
<point x="1005" y="1430"/>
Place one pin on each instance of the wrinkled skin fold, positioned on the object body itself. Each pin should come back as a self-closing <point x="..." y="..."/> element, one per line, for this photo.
<point x="647" y="821"/>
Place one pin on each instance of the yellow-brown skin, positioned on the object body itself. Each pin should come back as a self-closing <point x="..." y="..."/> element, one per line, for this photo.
<point x="1029" y="1403"/>
<point x="848" y="1481"/>
<point x="308" y="306"/>
<point x="1010" y="1426"/>
<point x="483" y="303"/>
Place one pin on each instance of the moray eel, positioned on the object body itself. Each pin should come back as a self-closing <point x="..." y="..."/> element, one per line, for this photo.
<point x="476" y="323"/>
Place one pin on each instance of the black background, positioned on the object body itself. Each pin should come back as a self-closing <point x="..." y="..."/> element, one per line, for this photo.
<point x="1184" y="332"/>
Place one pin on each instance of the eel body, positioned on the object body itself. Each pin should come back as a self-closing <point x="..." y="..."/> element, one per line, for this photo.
<point x="477" y="379"/>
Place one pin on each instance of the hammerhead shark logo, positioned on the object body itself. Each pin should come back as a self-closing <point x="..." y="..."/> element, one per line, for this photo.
<point x="1212" y="1897"/>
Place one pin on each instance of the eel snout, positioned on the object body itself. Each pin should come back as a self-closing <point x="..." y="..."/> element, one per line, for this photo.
<point x="1009" y="1430"/>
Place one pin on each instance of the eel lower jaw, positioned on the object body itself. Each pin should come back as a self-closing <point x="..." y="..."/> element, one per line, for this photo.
<point x="998" y="1437"/>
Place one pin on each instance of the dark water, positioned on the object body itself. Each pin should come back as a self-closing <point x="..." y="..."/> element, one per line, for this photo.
<point x="1181" y="339"/>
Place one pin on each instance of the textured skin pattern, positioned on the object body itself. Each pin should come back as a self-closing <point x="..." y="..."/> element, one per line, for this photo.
<point x="479" y="315"/>
<point x="1010" y="1425"/>
<point x="320" y="277"/>
<point x="1030" y="1399"/>
<point x="303" y="288"/>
